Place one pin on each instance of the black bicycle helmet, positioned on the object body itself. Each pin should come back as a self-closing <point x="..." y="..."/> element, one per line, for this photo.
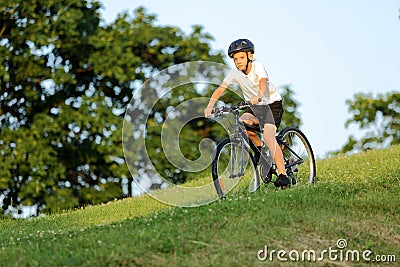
<point x="240" y="45"/>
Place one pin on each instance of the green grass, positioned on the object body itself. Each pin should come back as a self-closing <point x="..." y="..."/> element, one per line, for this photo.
<point x="356" y="198"/>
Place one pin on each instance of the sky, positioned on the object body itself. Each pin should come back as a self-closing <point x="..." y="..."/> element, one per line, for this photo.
<point x="327" y="51"/>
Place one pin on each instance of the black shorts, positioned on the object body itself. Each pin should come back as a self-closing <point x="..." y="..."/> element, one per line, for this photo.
<point x="271" y="113"/>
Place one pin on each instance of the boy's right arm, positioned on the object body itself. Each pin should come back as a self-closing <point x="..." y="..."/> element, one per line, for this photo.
<point x="214" y="98"/>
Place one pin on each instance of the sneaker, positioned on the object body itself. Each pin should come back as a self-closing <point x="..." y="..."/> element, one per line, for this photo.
<point x="282" y="181"/>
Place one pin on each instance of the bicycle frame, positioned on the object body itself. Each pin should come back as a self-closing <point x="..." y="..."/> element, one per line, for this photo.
<point x="240" y="135"/>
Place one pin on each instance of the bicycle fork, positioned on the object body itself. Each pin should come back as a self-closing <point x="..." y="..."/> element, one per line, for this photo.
<point x="237" y="159"/>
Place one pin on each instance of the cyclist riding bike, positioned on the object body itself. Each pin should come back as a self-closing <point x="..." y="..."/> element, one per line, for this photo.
<point x="266" y="108"/>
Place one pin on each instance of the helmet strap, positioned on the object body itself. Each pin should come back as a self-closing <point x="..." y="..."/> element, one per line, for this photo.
<point x="247" y="64"/>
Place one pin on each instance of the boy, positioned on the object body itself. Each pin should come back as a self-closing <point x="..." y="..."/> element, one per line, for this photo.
<point x="253" y="80"/>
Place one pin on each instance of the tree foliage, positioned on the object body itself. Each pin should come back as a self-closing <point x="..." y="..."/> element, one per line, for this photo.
<point x="379" y="116"/>
<point x="291" y="116"/>
<point x="65" y="80"/>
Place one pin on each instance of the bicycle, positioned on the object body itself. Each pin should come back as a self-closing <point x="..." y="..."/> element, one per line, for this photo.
<point x="234" y="156"/>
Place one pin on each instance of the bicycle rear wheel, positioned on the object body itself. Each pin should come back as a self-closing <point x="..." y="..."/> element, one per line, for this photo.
<point x="298" y="155"/>
<point x="231" y="162"/>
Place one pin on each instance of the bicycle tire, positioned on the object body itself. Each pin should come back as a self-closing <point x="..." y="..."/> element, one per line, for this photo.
<point x="228" y="167"/>
<point x="296" y="146"/>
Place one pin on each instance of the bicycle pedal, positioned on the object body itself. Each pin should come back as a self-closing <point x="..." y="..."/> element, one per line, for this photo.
<point x="266" y="179"/>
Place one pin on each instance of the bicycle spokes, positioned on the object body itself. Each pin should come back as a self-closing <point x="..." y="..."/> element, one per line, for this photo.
<point x="298" y="156"/>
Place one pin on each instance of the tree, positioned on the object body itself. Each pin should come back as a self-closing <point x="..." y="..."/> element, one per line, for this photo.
<point x="291" y="116"/>
<point x="379" y="116"/>
<point x="57" y="152"/>
<point x="65" y="81"/>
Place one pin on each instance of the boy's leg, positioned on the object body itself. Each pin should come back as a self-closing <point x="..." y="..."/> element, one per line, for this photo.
<point x="275" y="150"/>
<point x="276" y="153"/>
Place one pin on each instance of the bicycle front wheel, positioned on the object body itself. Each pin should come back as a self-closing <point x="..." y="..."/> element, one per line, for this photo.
<point x="298" y="155"/>
<point x="233" y="161"/>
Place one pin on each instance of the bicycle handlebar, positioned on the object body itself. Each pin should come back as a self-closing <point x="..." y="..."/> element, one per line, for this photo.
<point x="239" y="106"/>
<point x="224" y="109"/>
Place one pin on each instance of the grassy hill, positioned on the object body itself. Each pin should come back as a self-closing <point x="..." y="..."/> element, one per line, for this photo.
<point x="356" y="201"/>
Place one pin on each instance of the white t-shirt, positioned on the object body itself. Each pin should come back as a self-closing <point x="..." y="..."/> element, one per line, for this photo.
<point x="250" y="83"/>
